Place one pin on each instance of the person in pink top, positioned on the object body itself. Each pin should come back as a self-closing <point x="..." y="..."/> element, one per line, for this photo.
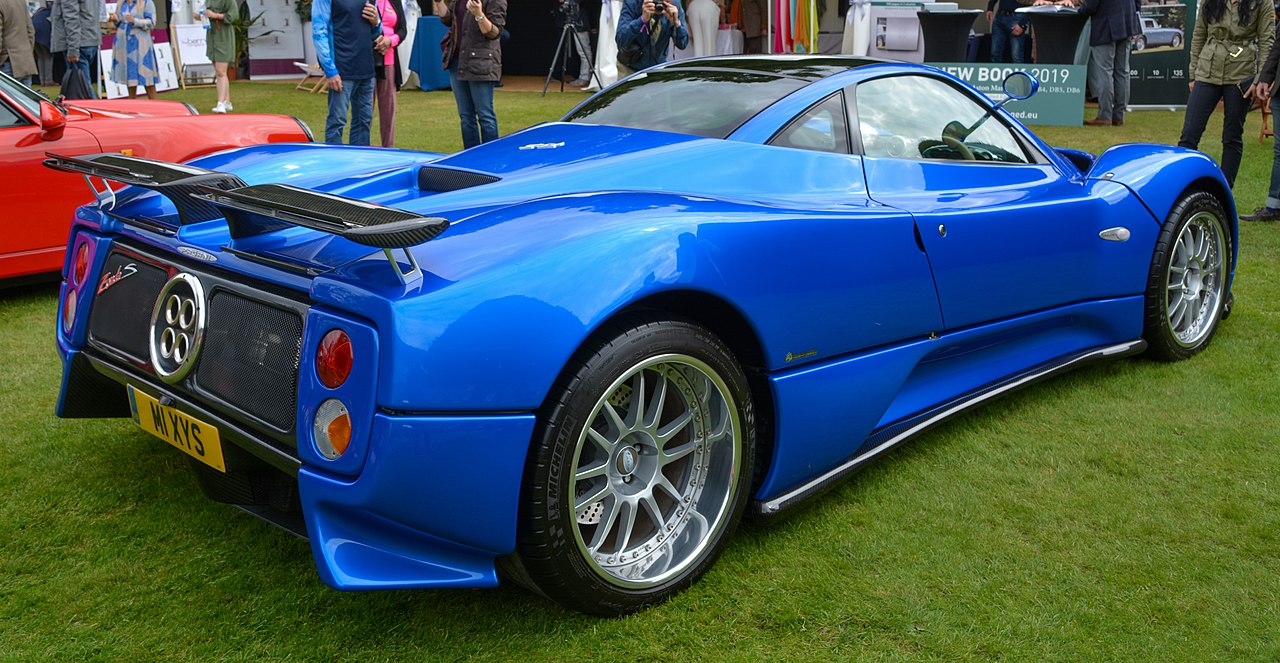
<point x="387" y="67"/>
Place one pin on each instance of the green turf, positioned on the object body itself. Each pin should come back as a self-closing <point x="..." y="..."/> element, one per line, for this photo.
<point x="1128" y="511"/>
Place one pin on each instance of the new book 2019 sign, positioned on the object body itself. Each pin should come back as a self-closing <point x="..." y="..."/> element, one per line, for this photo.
<point x="1060" y="101"/>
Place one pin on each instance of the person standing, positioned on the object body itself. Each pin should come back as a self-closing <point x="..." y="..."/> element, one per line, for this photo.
<point x="704" y="25"/>
<point x="132" y="56"/>
<point x="1225" y="47"/>
<point x="1008" y="29"/>
<point x="387" y="69"/>
<point x="44" y="44"/>
<point x="344" y="32"/>
<point x="17" y="41"/>
<point x="77" y="32"/>
<point x="573" y="14"/>
<point x="645" y="30"/>
<point x="1111" y="25"/>
<point x="220" y="46"/>
<point x="1265" y="92"/>
<point x="473" y="56"/>
<point x="755" y="25"/>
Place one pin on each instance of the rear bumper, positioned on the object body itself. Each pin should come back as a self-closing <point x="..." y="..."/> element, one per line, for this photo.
<point x="434" y="506"/>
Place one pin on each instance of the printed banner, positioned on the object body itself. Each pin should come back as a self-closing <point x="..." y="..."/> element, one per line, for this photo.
<point x="1059" y="102"/>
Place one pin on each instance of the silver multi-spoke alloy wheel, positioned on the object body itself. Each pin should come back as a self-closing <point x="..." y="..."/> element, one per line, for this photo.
<point x="1196" y="280"/>
<point x="656" y="471"/>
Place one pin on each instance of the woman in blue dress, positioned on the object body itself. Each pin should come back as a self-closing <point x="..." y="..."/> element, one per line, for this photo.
<point x="133" y="60"/>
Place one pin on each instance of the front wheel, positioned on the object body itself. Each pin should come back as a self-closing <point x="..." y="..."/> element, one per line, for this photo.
<point x="1187" y="283"/>
<point x="639" y="471"/>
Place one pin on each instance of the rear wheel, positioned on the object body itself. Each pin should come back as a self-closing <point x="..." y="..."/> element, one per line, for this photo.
<point x="1186" y="287"/>
<point x="640" y="471"/>
<point x="1140" y="44"/>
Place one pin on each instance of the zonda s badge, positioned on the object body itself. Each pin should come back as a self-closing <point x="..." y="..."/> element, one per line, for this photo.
<point x="122" y="272"/>
<point x="177" y="327"/>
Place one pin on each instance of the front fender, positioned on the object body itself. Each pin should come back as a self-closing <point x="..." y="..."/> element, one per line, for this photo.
<point x="1160" y="175"/>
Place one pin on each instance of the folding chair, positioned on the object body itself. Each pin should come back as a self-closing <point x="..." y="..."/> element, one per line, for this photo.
<point x="310" y="71"/>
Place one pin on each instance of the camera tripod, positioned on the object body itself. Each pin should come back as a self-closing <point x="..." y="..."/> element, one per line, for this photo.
<point x="562" y="57"/>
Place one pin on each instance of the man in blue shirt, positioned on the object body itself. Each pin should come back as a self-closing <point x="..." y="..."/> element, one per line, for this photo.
<point x="645" y="30"/>
<point x="345" y="32"/>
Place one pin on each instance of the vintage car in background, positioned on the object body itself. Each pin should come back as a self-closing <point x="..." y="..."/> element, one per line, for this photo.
<point x="1154" y="35"/>
<point x="577" y="355"/>
<point x="38" y="203"/>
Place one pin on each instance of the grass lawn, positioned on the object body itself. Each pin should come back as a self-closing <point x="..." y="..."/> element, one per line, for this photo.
<point x="1129" y="511"/>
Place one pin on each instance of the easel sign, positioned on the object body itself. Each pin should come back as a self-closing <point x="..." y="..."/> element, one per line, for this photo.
<point x="194" y="67"/>
<point x="164" y="65"/>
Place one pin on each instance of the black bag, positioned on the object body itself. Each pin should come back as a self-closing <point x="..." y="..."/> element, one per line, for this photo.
<point x="75" y="85"/>
<point x="629" y="56"/>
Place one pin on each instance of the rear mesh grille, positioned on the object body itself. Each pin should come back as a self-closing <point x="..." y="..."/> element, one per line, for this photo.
<point x="251" y="356"/>
<point x="121" y="315"/>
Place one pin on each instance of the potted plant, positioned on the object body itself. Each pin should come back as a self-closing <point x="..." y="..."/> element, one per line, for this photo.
<point x="303" y="7"/>
<point x="242" y="24"/>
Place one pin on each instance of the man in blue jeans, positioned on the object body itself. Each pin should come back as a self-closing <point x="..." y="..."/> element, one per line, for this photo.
<point x="345" y="32"/>
<point x="1007" y="29"/>
<point x="77" y="29"/>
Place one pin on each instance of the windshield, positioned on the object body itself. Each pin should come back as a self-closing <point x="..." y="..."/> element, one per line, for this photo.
<point x="708" y="103"/>
<point x="21" y="94"/>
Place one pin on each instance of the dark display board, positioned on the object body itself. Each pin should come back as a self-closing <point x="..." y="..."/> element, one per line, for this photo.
<point x="1159" y="65"/>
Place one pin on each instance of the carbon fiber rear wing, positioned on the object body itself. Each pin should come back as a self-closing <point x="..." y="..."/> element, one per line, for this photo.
<point x="176" y="182"/>
<point x="254" y="210"/>
<point x="204" y="195"/>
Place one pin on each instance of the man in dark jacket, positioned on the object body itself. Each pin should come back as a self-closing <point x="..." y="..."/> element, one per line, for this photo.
<point x="645" y="29"/>
<point x="1113" y="23"/>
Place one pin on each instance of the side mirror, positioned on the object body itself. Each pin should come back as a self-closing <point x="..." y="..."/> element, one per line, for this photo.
<point x="52" y="121"/>
<point x="1020" y="85"/>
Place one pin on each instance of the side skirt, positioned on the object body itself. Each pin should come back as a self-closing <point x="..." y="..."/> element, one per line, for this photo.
<point x="891" y="435"/>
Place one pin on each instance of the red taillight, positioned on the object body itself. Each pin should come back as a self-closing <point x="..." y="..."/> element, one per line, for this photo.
<point x="81" y="265"/>
<point x="333" y="358"/>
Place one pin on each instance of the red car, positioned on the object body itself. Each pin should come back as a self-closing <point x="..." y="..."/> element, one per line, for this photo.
<point x="37" y="203"/>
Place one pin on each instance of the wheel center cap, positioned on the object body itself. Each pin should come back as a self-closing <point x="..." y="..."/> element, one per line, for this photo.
<point x="627" y="461"/>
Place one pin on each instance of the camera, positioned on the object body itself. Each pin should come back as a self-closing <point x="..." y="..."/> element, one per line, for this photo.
<point x="570" y="11"/>
<point x="659" y="7"/>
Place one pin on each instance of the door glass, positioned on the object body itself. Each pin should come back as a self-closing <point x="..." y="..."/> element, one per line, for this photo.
<point x="918" y="117"/>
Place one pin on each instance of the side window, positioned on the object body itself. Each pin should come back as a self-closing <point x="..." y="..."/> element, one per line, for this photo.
<point x="9" y="117"/>
<point x="822" y="128"/>
<point x="917" y="117"/>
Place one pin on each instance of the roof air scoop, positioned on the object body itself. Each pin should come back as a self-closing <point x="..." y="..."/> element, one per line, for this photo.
<point x="440" y="180"/>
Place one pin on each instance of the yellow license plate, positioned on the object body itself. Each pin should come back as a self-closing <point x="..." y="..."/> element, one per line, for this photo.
<point x="196" y="438"/>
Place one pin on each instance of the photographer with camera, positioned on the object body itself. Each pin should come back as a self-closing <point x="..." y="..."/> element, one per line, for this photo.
<point x="646" y="29"/>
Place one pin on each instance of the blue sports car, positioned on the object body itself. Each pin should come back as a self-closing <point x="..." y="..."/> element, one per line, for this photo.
<point x="577" y="355"/>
